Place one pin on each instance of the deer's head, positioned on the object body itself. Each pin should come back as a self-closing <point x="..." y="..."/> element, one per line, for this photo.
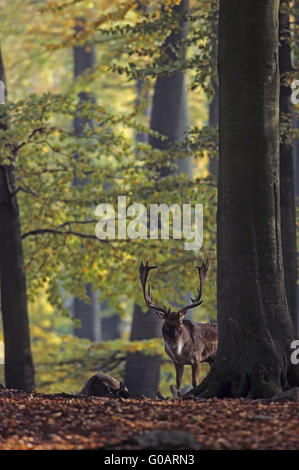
<point x="163" y="312"/>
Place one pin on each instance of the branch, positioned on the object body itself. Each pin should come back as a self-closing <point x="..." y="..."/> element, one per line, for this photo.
<point x="42" y="231"/>
<point x="93" y="221"/>
<point x="39" y="129"/>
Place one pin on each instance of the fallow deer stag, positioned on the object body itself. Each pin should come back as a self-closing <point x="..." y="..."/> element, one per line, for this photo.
<point x="186" y="342"/>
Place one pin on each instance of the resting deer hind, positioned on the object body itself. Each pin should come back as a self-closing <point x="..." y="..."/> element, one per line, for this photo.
<point x="186" y="342"/>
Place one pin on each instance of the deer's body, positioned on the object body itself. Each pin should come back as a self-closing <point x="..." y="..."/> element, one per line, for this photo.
<point x="190" y="343"/>
<point x="186" y="342"/>
<point x="102" y="385"/>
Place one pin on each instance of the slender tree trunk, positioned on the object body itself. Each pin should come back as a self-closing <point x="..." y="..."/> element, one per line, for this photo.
<point x="255" y="328"/>
<point x="169" y="116"/>
<point x="142" y="372"/>
<point x="169" y="111"/>
<point x="110" y="327"/>
<point x="287" y="183"/>
<point x="87" y="313"/>
<point x="142" y="95"/>
<point x="89" y="316"/>
<point x="19" y="370"/>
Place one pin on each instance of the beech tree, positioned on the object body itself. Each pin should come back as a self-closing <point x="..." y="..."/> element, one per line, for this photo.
<point x="255" y="327"/>
<point x="19" y="370"/>
<point x="169" y="117"/>
<point x="287" y="184"/>
<point x="214" y="104"/>
<point x="296" y="144"/>
<point x="86" y="313"/>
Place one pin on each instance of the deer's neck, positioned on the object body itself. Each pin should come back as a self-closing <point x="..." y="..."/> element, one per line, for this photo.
<point x="175" y="339"/>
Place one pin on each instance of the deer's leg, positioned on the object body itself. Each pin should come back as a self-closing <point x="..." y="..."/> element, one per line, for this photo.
<point x="195" y="374"/>
<point x="179" y="375"/>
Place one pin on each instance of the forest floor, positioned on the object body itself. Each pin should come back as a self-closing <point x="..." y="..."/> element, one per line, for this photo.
<point x="60" y="421"/>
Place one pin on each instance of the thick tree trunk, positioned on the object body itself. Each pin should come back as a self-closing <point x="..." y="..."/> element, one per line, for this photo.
<point x="255" y="328"/>
<point x="19" y="370"/>
<point x="287" y="184"/>
<point x="169" y="116"/>
<point x="214" y="104"/>
<point x="296" y="157"/>
<point x="296" y="147"/>
<point x="87" y="313"/>
<point x="142" y="372"/>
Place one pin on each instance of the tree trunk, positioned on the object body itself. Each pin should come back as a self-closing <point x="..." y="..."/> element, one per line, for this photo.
<point x="169" y="116"/>
<point x="89" y="316"/>
<point x="296" y="147"/>
<point x="255" y="328"/>
<point x="287" y="184"/>
<point x="111" y="327"/>
<point x="19" y="370"/>
<point x="142" y="372"/>
<point x="214" y="105"/>
<point x="87" y="313"/>
<point x="296" y="157"/>
<point x="140" y="89"/>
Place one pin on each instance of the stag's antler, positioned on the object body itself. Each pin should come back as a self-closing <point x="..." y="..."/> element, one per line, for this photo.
<point x="144" y="270"/>
<point x="202" y="271"/>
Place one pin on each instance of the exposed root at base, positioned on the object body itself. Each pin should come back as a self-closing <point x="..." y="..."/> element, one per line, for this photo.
<point x="253" y="385"/>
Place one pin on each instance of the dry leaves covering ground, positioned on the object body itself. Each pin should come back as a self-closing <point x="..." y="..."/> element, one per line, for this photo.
<point x="39" y="421"/>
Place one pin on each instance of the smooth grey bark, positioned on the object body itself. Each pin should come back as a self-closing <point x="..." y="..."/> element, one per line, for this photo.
<point x="296" y="157"/>
<point x="87" y="313"/>
<point x="296" y="150"/>
<point x="255" y="328"/>
<point x="19" y="369"/>
<point x="287" y="180"/>
<point x="169" y="116"/>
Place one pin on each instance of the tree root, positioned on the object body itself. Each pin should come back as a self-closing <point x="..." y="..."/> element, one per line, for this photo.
<point x="255" y="384"/>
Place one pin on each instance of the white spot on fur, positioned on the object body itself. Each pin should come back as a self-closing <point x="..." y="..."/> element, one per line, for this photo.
<point x="180" y="347"/>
